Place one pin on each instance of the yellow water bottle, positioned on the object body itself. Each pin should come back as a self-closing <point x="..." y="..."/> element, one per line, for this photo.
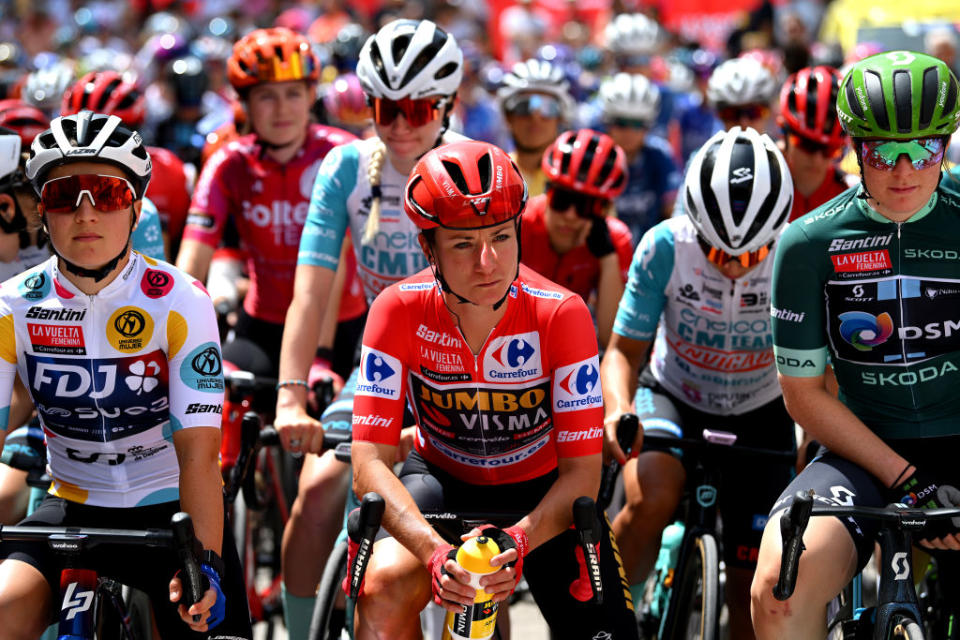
<point x="476" y="622"/>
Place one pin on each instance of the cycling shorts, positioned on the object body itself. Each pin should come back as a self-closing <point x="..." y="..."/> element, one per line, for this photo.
<point x="746" y="491"/>
<point x="148" y="569"/>
<point x="551" y="567"/>
<point x="836" y="480"/>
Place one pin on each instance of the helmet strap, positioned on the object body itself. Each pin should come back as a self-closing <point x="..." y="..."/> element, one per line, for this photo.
<point x="101" y="272"/>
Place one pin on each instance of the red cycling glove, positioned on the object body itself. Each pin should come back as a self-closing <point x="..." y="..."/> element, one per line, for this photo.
<point x="440" y="556"/>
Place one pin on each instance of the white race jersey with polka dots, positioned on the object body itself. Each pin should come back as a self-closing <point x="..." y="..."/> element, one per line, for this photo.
<point x="113" y="376"/>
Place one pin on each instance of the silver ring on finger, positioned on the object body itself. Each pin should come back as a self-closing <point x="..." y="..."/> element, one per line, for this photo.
<point x="295" y="443"/>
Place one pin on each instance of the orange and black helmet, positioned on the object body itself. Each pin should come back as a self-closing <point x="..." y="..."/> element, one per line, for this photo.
<point x="271" y="55"/>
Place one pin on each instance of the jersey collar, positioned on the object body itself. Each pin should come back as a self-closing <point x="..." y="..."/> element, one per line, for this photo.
<point x="869" y="212"/>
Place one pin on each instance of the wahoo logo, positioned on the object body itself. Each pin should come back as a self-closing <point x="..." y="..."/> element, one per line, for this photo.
<point x="577" y="386"/>
<point x="379" y="374"/>
<point x="515" y="357"/>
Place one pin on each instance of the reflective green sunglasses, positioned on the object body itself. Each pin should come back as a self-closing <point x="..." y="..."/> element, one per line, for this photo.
<point x="884" y="154"/>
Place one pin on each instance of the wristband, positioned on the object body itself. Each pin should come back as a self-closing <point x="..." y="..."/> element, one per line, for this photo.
<point x="292" y="383"/>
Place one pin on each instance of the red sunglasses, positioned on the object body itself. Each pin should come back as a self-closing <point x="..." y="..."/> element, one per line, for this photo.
<point x="416" y="112"/>
<point x="720" y="258"/>
<point x="561" y="199"/>
<point x="106" y="193"/>
<point x="810" y="146"/>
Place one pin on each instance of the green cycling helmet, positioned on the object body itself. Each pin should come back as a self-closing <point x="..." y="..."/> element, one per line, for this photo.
<point x="899" y="94"/>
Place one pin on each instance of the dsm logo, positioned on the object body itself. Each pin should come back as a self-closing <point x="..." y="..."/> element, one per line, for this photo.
<point x="577" y="386"/>
<point x="515" y="357"/>
<point x="379" y="374"/>
<point x="865" y="331"/>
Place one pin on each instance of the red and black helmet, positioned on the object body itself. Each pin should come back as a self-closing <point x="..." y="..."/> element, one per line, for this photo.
<point x="106" y="92"/>
<point x="271" y="55"/>
<point x="808" y="106"/>
<point x="464" y="185"/>
<point x="27" y="121"/>
<point x="588" y="162"/>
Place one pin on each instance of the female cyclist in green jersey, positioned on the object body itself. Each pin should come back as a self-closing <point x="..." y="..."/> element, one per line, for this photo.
<point x="866" y="280"/>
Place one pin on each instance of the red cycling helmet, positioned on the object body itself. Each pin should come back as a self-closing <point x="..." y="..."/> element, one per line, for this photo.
<point x="588" y="162"/>
<point x="271" y="55"/>
<point x="808" y="106"/>
<point x="27" y="121"/>
<point x="464" y="185"/>
<point x="106" y="92"/>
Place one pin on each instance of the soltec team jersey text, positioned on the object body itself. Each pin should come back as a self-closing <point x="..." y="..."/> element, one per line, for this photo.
<point x="113" y="376"/>
<point x="530" y="396"/>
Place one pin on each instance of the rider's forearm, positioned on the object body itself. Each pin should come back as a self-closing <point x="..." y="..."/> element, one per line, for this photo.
<point x="195" y="258"/>
<point x="554" y="514"/>
<point x="828" y="420"/>
<point x="618" y="375"/>
<point x="372" y="471"/>
<point x="201" y="493"/>
<point x="609" y="291"/>
<point x="302" y="331"/>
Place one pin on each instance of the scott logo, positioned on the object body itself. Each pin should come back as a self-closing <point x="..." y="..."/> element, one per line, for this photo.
<point x="129" y="323"/>
<point x="581" y="381"/>
<point x="741" y="174"/>
<point x="207" y="362"/>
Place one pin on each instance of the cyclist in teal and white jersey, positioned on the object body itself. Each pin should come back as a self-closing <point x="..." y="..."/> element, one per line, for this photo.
<point x="871" y="280"/>
<point x="410" y="71"/>
<point x="704" y="280"/>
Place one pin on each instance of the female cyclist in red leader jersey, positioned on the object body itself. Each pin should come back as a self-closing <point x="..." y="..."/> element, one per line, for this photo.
<point x="500" y="368"/>
<point x="264" y="181"/>
<point x="813" y="139"/>
<point x="567" y="236"/>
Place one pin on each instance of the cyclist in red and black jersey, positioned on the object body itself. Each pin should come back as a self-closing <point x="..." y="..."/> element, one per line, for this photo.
<point x="813" y="139"/>
<point x="263" y="181"/>
<point x="500" y="368"/>
<point x="567" y="235"/>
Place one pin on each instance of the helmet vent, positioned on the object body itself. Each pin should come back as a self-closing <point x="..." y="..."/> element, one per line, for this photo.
<point x="608" y="164"/>
<point x="951" y="102"/>
<point x="813" y="84"/>
<point x="129" y="99"/>
<point x="400" y="45"/>
<point x="583" y="171"/>
<point x="377" y="59"/>
<point x="903" y="100"/>
<point x="565" y="150"/>
<point x="485" y="170"/>
<point x="446" y="70"/>
<point x="425" y="57"/>
<point x="852" y="99"/>
<point x="456" y="174"/>
<point x="878" y="104"/>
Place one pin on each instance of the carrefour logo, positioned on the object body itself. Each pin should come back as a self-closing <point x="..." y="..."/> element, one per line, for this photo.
<point x="379" y="374"/>
<point x="865" y="331"/>
<point x="515" y="357"/>
<point x="577" y="386"/>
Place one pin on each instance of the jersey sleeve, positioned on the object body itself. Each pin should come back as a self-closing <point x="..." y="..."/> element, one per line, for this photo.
<point x="378" y="400"/>
<point x="327" y="217"/>
<point x="644" y="296"/>
<point x="211" y="203"/>
<point x="195" y="366"/>
<point x="797" y="307"/>
<point x="148" y="236"/>
<point x="8" y="364"/>
<point x="623" y="244"/>
<point x="575" y="381"/>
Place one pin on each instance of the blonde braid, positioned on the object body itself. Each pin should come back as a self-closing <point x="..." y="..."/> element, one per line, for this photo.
<point x="374" y="172"/>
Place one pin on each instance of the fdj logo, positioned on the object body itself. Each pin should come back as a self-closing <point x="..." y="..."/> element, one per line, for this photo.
<point x="864" y="331"/>
<point x="517" y="353"/>
<point x="376" y="370"/>
<point x="129" y="323"/>
<point x="581" y="381"/>
<point x="207" y="362"/>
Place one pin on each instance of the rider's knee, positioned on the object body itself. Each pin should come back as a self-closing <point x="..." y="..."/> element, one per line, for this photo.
<point x="401" y="585"/>
<point x="329" y="479"/>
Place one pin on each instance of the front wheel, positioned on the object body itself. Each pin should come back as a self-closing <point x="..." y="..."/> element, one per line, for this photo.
<point x="696" y="602"/>
<point x="906" y="628"/>
<point x="329" y="616"/>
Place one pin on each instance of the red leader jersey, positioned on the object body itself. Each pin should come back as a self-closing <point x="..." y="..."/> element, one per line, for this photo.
<point x="833" y="185"/>
<point x="532" y="395"/>
<point x="577" y="269"/>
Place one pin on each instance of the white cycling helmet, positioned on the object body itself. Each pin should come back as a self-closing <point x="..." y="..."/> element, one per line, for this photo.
<point x="44" y="88"/>
<point x="89" y="136"/>
<point x="630" y="96"/>
<point x="741" y="81"/>
<point x="410" y="59"/>
<point x="537" y="76"/>
<point x="10" y="142"/>
<point x="738" y="191"/>
<point x="632" y="34"/>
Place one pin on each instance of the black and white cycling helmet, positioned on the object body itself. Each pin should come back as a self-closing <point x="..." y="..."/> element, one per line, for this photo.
<point x="89" y="136"/>
<point x="537" y="76"/>
<point x="741" y="81"/>
<point x="632" y="96"/>
<point x="410" y="59"/>
<point x="632" y="34"/>
<point x="738" y="191"/>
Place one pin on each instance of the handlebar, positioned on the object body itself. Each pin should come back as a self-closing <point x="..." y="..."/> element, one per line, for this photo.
<point x="626" y="432"/>
<point x="587" y="524"/>
<point x="794" y="522"/>
<point x="716" y="448"/>
<point x="362" y="527"/>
